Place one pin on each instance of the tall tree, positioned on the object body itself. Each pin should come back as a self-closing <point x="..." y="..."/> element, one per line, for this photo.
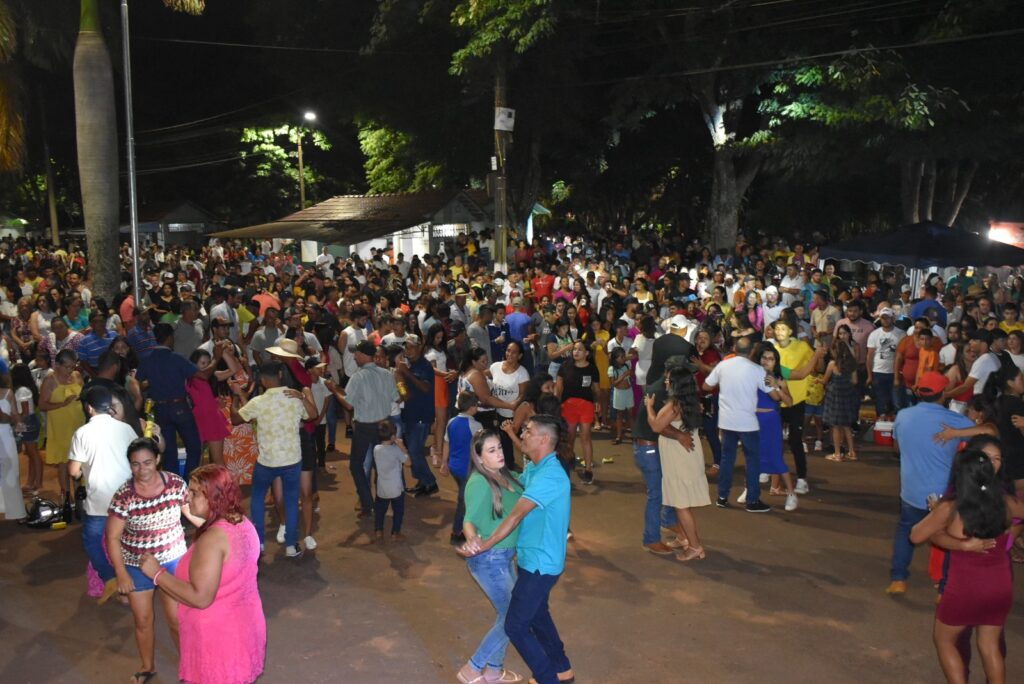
<point x="96" y="134"/>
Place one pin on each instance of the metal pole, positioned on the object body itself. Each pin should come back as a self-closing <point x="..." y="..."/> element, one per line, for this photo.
<point x="302" y="177"/>
<point x="130" y="150"/>
<point x="501" y="139"/>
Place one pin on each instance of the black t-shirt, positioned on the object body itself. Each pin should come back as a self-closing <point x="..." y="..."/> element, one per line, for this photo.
<point x="579" y="383"/>
<point x="641" y="427"/>
<point x="665" y="347"/>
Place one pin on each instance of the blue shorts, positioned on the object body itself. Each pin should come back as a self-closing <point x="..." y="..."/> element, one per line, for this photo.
<point x="30" y="435"/>
<point x="143" y="583"/>
<point x="811" y="410"/>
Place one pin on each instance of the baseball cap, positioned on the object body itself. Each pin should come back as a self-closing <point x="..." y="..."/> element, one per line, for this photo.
<point x="679" y="321"/>
<point x="413" y="339"/>
<point x="981" y="336"/>
<point x="905" y="288"/>
<point x="366" y="347"/>
<point x="887" y="311"/>
<point x="458" y="327"/>
<point x="932" y="383"/>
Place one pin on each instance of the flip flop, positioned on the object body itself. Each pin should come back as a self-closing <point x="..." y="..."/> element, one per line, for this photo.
<point x="144" y="676"/>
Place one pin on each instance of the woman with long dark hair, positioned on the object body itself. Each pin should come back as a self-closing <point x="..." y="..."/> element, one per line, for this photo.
<point x="575" y="387"/>
<point x="769" y="420"/>
<point x="684" y="484"/>
<point x="435" y="352"/>
<point x="26" y="399"/>
<point x="492" y="491"/>
<point x="473" y="380"/>
<point x="974" y="521"/>
<point x="842" y="399"/>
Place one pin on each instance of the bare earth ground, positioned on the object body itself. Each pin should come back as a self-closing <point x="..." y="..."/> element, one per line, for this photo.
<point x="782" y="597"/>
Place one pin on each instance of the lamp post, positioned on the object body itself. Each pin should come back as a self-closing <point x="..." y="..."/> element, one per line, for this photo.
<point x="129" y="121"/>
<point x="310" y="117"/>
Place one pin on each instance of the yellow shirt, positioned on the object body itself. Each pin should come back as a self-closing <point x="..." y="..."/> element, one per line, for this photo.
<point x="795" y="355"/>
<point x="1005" y="327"/>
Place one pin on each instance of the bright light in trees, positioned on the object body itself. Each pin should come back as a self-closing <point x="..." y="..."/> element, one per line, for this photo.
<point x="310" y="116"/>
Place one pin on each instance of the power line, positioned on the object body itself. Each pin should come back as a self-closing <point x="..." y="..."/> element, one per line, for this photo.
<point x="805" y="58"/>
<point x="285" y="48"/>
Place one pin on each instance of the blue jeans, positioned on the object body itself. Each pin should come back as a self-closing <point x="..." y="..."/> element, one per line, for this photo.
<point x="262" y="477"/>
<point x="648" y="460"/>
<point x="93" y="529"/>
<point x="885" y="403"/>
<point x="904" y="397"/>
<point x="176" y="419"/>
<point x="751" y="443"/>
<point x="332" y="418"/>
<point x="532" y="631"/>
<point x="902" y="548"/>
<point x="415" y="438"/>
<point x="495" y="572"/>
<point x="364" y="438"/>
<point x="711" y="434"/>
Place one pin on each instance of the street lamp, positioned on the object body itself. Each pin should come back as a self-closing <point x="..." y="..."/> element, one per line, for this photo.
<point x="310" y="117"/>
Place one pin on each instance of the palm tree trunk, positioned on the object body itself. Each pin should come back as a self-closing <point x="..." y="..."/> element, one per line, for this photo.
<point x="96" y="132"/>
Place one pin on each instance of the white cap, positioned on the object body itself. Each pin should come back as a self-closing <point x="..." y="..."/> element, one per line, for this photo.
<point x="771" y="289"/>
<point x="886" y="312"/>
<point x="678" y="322"/>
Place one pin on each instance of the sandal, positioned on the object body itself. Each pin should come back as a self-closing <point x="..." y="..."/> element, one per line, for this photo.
<point x="678" y="542"/>
<point x="144" y="676"/>
<point x="504" y="676"/>
<point x="835" y="458"/>
<point x="713" y="469"/>
<point x="693" y="553"/>
<point x="851" y="456"/>
<point x="776" y="491"/>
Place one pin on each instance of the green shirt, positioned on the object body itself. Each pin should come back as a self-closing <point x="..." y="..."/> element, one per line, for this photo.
<point x="480" y="510"/>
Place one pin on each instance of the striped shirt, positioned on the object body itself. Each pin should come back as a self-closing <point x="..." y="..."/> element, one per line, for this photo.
<point x="151" y="525"/>
<point x="142" y="341"/>
<point x="372" y="392"/>
<point x="92" y="346"/>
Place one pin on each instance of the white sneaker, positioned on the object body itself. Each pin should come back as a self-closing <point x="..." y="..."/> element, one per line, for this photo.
<point x="817" y="445"/>
<point x="280" y="534"/>
<point x="742" y="498"/>
<point x="309" y="543"/>
<point x="764" y="478"/>
<point x="801" y="486"/>
<point x="791" y="502"/>
<point x="294" y="551"/>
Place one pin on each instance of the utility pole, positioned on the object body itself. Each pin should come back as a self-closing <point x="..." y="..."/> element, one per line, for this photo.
<point x="51" y="189"/>
<point x="504" y="121"/>
<point x="302" y="177"/>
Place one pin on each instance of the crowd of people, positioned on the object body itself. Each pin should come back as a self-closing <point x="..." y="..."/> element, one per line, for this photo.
<point x="241" y="358"/>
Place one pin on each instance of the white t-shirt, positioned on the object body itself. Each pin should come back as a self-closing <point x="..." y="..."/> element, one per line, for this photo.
<point x="947" y="355"/>
<point x="320" y="396"/>
<point x="1018" y="360"/>
<point x="100" y="446"/>
<point x="645" y="352"/>
<point x="738" y="380"/>
<point x="505" y="386"/>
<point x="438" y="358"/>
<point x="884" y="343"/>
<point x="796" y="283"/>
<point x="23" y="395"/>
<point x="626" y="344"/>
<point x="981" y="369"/>
<point x="353" y="336"/>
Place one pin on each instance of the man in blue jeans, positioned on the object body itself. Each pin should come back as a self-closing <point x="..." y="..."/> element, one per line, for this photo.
<point x="739" y="378"/>
<point x="167" y="371"/>
<point x="648" y="460"/>
<point x="279" y="413"/>
<point x="542" y="516"/>
<point x="417" y="375"/>
<point x="924" y="466"/>
<point x="98" y="451"/>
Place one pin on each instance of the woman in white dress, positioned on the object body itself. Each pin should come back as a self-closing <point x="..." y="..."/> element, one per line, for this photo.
<point x="684" y="484"/>
<point x="12" y="505"/>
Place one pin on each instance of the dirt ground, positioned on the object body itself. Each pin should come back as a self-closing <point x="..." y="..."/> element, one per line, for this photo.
<point x="783" y="597"/>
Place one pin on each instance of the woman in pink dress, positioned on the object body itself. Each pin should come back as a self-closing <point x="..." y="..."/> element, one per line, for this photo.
<point x="213" y="427"/>
<point x="220" y="614"/>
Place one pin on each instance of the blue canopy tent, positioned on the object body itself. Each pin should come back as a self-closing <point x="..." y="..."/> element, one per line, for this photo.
<point x="925" y="245"/>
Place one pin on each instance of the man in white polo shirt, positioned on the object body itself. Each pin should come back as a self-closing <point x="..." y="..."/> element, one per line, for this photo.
<point x="738" y="379"/>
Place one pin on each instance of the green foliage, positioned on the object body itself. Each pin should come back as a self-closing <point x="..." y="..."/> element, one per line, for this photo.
<point x="489" y="24"/>
<point x="271" y="160"/>
<point x="392" y="162"/>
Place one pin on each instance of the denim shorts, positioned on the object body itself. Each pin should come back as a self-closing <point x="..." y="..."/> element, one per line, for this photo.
<point x="30" y="435"/>
<point x="143" y="583"/>
<point x="814" y="409"/>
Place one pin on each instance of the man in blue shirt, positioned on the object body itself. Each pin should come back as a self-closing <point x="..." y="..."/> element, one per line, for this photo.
<point x="166" y="371"/>
<point x="930" y="301"/>
<point x="519" y="330"/>
<point x="417" y="374"/>
<point x="140" y="336"/>
<point x="542" y="516"/>
<point x="96" y="341"/>
<point x="924" y="466"/>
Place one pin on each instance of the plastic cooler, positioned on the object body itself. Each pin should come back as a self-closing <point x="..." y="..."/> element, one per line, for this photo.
<point x="883" y="433"/>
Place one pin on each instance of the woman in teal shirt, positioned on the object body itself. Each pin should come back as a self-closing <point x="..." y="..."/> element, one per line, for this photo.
<point x="492" y="491"/>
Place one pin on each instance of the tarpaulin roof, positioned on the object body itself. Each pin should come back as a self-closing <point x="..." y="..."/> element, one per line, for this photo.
<point x="925" y="245"/>
<point x="350" y="219"/>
